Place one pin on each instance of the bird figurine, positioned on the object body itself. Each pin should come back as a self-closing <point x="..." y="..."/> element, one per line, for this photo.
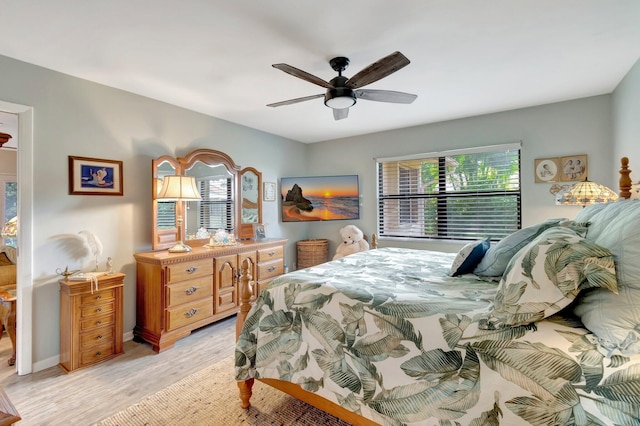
<point x="80" y="246"/>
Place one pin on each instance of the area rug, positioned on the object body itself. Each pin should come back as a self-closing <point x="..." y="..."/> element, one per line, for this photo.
<point x="210" y="397"/>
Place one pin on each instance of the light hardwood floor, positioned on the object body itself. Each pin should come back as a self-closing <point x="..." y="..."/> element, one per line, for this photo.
<point x="84" y="397"/>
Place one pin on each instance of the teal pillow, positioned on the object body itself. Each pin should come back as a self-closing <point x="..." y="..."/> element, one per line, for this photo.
<point x="613" y="318"/>
<point x="469" y="256"/>
<point x="498" y="256"/>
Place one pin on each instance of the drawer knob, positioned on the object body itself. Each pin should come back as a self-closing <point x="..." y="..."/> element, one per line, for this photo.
<point x="191" y="312"/>
<point x="191" y="290"/>
<point x="192" y="270"/>
<point x="99" y="310"/>
<point x="271" y="268"/>
<point x="99" y="353"/>
<point x="98" y="322"/>
<point x="99" y="336"/>
<point x="272" y="253"/>
<point x="98" y="297"/>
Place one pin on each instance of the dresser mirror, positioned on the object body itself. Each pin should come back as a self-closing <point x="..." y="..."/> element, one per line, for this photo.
<point x="250" y="190"/>
<point x="165" y="231"/>
<point x="222" y="206"/>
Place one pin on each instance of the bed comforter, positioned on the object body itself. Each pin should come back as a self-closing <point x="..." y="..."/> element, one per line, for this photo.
<point x="390" y="335"/>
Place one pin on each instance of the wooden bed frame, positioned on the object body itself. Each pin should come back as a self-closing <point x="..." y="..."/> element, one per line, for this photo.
<point x="296" y="391"/>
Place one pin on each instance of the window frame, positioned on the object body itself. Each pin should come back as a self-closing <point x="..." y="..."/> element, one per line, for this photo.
<point x="416" y="203"/>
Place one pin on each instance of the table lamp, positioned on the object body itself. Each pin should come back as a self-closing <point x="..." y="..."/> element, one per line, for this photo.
<point x="179" y="189"/>
<point x="585" y="193"/>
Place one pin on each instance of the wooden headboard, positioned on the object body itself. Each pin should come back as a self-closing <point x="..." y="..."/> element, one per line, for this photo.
<point x="625" y="179"/>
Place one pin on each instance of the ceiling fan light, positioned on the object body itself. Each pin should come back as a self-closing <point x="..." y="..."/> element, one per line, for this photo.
<point x="340" y="98"/>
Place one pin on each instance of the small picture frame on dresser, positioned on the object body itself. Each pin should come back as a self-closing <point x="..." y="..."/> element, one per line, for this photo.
<point x="258" y="232"/>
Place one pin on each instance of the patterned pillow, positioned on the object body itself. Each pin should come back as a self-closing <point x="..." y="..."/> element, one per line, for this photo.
<point x="469" y="256"/>
<point x="498" y="256"/>
<point x="547" y="274"/>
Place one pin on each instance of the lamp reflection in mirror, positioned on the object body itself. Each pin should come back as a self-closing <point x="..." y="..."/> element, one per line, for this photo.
<point x="585" y="193"/>
<point x="179" y="188"/>
<point x="10" y="231"/>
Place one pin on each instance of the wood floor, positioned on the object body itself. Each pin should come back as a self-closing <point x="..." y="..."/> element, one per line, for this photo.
<point x="51" y="397"/>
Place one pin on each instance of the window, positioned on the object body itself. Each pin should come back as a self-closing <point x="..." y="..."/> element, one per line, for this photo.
<point x="460" y="194"/>
<point x="216" y="207"/>
<point x="9" y="209"/>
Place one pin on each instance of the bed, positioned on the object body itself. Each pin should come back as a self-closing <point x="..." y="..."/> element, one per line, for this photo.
<point x="540" y="328"/>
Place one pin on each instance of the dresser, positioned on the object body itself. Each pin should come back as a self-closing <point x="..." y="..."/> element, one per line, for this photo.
<point x="177" y="293"/>
<point x="91" y="321"/>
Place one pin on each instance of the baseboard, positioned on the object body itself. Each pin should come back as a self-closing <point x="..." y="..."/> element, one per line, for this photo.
<point x="46" y="363"/>
<point x="55" y="360"/>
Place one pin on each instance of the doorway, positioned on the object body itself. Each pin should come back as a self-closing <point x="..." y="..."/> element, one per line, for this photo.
<point x="24" y="210"/>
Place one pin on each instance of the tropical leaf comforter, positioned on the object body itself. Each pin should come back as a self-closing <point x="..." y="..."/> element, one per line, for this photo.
<point x="389" y="334"/>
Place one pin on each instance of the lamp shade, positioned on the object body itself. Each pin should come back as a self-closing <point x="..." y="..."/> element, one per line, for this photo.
<point x="585" y="193"/>
<point x="10" y="229"/>
<point x="179" y="188"/>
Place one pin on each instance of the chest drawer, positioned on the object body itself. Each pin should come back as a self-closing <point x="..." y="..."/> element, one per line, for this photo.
<point x="187" y="270"/>
<point x="270" y="269"/>
<point x="96" y="337"/>
<point x="107" y="307"/>
<point x="98" y="296"/>
<point x="190" y="290"/>
<point x="272" y="253"/>
<point x="189" y="313"/>
<point x="97" y="321"/>
<point x="96" y="354"/>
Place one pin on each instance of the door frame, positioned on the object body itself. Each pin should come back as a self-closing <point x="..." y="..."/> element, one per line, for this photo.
<point x="24" y="303"/>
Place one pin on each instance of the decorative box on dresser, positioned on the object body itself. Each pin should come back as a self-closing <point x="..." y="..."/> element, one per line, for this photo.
<point x="177" y="293"/>
<point x="91" y="321"/>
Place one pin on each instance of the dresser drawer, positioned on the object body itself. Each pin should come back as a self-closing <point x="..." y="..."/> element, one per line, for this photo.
<point x="97" y="321"/>
<point x="187" y="291"/>
<point x="270" y="269"/>
<point x="87" y="311"/>
<point x="96" y="337"/>
<point x="98" y="296"/>
<point x="96" y="353"/>
<point x="187" y="270"/>
<point x="272" y="253"/>
<point x="189" y="313"/>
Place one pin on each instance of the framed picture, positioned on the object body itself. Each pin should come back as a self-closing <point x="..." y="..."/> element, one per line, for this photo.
<point x="94" y="176"/>
<point x="269" y="191"/>
<point x="320" y="198"/>
<point x="547" y="170"/>
<point x="573" y="167"/>
<point x="258" y="231"/>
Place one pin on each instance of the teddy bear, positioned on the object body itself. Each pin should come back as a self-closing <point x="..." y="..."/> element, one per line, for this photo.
<point x="352" y="242"/>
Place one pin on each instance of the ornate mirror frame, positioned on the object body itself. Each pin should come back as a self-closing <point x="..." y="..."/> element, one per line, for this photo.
<point x="163" y="238"/>
<point x="250" y="201"/>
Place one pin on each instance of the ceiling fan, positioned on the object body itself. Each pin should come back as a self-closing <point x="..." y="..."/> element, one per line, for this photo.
<point x="342" y="92"/>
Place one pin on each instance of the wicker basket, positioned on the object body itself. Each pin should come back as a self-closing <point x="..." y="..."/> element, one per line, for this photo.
<point x="312" y="252"/>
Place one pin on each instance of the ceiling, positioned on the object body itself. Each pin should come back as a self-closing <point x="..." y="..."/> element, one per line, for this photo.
<point x="468" y="57"/>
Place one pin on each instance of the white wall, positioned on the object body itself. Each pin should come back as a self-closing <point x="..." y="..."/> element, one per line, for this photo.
<point x="626" y="121"/>
<point x="576" y="127"/>
<point x="80" y="118"/>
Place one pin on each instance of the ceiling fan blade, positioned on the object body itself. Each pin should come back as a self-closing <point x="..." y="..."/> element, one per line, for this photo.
<point x="339" y="114"/>
<point x="385" y="96"/>
<point x="296" y="100"/>
<point x="303" y="75"/>
<point x="380" y="69"/>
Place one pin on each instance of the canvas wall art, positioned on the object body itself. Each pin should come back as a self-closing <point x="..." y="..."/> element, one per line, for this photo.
<point x="320" y="198"/>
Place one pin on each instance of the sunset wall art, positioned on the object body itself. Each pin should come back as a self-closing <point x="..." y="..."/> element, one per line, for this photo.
<point x="320" y="198"/>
